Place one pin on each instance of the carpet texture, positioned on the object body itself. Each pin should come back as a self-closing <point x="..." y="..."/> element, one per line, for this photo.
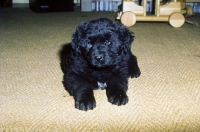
<point x="166" y="97"/>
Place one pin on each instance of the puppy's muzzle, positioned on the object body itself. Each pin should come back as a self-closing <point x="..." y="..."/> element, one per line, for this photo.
<point x="99" y="56"/>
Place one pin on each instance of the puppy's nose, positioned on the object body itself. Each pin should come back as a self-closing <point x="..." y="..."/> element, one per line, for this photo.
<point x="98" y="57"/>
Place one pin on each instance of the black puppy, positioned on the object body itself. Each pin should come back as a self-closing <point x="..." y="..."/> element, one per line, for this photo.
<point x="100" y="59"/>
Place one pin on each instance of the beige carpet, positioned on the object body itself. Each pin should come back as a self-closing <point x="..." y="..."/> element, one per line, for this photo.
<point x="166" y="97"/>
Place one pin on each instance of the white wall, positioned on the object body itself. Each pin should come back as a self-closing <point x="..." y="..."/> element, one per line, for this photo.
<point x="20" y="1"/>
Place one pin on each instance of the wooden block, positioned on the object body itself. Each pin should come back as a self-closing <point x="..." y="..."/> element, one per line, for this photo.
<point x="170" y="8"/>
<point x="131" y="6"/>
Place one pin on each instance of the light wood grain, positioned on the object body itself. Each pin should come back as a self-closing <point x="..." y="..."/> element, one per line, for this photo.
<point x="176" y="20"/>
<point x="128" y="18"/>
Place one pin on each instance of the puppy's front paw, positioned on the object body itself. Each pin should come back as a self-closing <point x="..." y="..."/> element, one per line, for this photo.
<point x="135" y="73"/>
<point x="86" y="102"/>
<point x="117" y="97"/>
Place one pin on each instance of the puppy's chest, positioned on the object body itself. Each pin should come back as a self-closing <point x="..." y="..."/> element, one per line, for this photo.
<point x="102" y="79"/>
<point x="101" y="85"/>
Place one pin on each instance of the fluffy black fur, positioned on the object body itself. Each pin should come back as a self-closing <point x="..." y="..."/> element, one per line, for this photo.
<point x="100" y="59"/>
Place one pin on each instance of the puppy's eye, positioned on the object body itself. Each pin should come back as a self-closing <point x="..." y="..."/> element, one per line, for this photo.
<point x="107" y="42"/>
<point x="92" y="42"/>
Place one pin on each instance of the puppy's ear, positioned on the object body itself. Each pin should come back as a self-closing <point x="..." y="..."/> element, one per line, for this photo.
<point x="78" y="37"/>
<point x="125" y="36"/>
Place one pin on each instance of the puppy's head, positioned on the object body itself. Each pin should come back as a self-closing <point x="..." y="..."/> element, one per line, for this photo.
<point x="101" y="42"/>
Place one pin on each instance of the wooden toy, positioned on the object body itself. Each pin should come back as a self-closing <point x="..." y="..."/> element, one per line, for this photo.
<point x="170" y="12"/>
